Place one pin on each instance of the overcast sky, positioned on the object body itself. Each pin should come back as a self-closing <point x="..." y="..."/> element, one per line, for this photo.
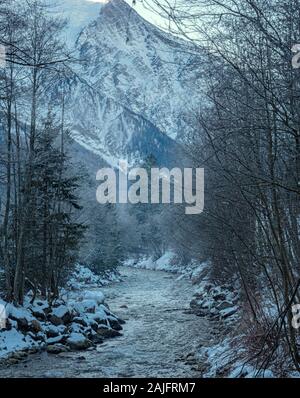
<point x="147" y="14"/>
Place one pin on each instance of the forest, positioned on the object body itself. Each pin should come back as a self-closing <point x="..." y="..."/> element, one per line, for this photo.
<point x="244" y="130"/>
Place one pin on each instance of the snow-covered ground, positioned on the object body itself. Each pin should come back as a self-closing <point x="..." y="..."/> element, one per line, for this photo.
<point x="78" y="320"/>
<point x="168" y="262"/>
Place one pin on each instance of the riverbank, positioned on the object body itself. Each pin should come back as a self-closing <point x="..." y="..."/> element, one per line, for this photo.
<point x="159" y="338"/>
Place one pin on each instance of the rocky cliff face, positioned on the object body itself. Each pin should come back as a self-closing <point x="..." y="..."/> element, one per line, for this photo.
<point x="134" y="86"/>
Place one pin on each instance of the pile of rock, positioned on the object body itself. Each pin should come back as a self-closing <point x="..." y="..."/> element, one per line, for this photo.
<point x="215" y="301"/>
<point x="83" y="278"/>
<point x="77" y="324"/>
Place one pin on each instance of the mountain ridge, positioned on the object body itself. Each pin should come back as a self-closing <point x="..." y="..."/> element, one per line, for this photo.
<point x="134" y="81"/>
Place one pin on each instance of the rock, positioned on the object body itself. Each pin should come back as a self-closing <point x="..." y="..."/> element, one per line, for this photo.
<point x="52" y="331"/>
<point x="35" y="326"/>
<point x="61" y="313"/>
<point x="78" y="341"/>
<point x="97" y="339"/>
<point x="89" y="306"/>
<point x="123" y="306"/>
<point x="57" y="339"/>
<point x="224" y="305"/>
<point x="56" y="349"/>
<point x="201" y="313"/>
<point x="93" y="324"/>
<point x="22" y="324"/>
<point x="12" y="361"/>
<point x="55" y="320"/>
<point x="32" y="350"/>
<point x="194" y="303"/>
<point x="100" y="317"/>
<point x="114" y="323"/>
<point x="39" y="336"/>
<point x="96" y="296"/>
<point x="19" y="355"/>
<point x="76" y="328"/>
<point x="62" y="329"/>
<point x="8" y="325"/>
<point x="107" y="332"/>
<point x="80" y="321"/>
<point x="21" y="315"/>
<point x="38" y="313"/>
<point x="121" y="321"/>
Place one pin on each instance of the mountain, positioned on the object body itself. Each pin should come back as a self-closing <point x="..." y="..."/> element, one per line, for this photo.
<point x="134" y="85"/>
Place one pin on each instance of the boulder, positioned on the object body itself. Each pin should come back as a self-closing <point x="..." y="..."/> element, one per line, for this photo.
<point x="55" y="320"/>
<point x="96" y="296"/>
<point x="77" y="341"/>
<point x="106" y="332"/>
<point x="76" y="328"/>
<point x="19" y="355"/>
<point x="97" y="339"/>
<point x="38" y="313"/>
<point x="35" y="326"/>
<point x="100" y="317"/>
<point x="56" y="349"/>
<point x="57" y="339"/>
<point x="52" y="331"/>
<point x="114" y="323"/>
<point x="89" y="306"/>
<point x="61" y="313"/>
<point x="80" y="321"/>
<point x="93" y="324"/>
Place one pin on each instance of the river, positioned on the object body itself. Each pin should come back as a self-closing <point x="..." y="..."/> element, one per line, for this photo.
<point x="158" y="335"/>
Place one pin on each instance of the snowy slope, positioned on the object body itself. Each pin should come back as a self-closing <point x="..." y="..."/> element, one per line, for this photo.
<point x="79" y="14"/>
<point x="134" y="85"/>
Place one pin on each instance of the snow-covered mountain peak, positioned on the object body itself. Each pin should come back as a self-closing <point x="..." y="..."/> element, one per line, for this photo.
<point x="139" y="84"/>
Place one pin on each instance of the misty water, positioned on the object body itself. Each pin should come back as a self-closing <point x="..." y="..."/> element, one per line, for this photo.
<point x="158" y="335"/>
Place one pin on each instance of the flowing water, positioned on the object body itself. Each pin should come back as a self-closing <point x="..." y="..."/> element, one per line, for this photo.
<point x="159" y="332"/>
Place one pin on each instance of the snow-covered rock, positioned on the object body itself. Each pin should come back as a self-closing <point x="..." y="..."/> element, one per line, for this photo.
<point x="84" y="278"/>
<point x="60" y="315"/>
<point x="77" y="341"/>
<point x="74" y="323"/>
<point x="96" y="296"/>
<point x="89" y="305"/>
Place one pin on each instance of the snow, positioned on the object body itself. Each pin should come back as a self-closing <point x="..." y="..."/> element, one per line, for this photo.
<point x="131" y="88"/>
<point x="54" y="340"/>
<point x="227" y="359"/>
<point x="99" y="314"/>
<point x="76" y="337"/>
<point x="60" y="311"/>
<point x="83" y="277"/>
<point x="168" y="262"/>
<point x="19" y="313"/>
<point x="79" y="14"/>
<point x="89" y="305"/>
<point x="97" y="296"/>
<point x="13" y="340"/>
<point x="74" y="301"/>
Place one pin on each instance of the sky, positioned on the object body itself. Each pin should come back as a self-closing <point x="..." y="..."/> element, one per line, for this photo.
<point x="145" y="13"/>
